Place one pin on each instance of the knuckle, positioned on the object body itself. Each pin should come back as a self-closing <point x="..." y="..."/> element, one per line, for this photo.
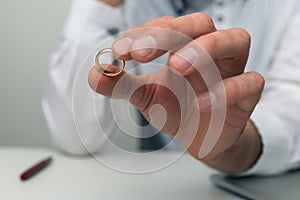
<point x="234" y="90"/>
<point x="158" y="22"/>
<point x="167" y="21"/>
<point x="167" y="17"/>
<point x="258" y="79"/>
<point x="171" y="24"/>
<point x="243" y="35"/>
<point x="206" y="18"/>
<point x="212" y="40"/>
<point x="235" y="86"/>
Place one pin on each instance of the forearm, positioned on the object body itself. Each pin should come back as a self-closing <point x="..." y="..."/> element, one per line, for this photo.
<point x="80" y="36"/>
<point x="242" y="155"/>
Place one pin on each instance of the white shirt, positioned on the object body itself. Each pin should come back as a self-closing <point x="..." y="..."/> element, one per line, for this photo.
<point x="275" y="29"/>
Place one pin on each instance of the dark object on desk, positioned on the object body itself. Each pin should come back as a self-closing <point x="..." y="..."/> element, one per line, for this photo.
<point x="152" y="143"/>
<point x="35" y="169"/>
<point x="285" y="186"/>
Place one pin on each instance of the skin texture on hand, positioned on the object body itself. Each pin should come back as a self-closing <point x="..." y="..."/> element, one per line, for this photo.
<point x="241" y="153"/>
<point x="239" y="144"/>
<point x="112" y="3"/>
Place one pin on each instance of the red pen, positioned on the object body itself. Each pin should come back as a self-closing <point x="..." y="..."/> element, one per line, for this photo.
<point x="35" y="169"/>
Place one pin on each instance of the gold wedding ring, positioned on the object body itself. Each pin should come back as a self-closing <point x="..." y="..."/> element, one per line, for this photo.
<point x="105" y="71"/>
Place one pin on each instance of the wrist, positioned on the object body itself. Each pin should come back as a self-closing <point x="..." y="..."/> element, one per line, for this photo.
<point x="242" y="155"/>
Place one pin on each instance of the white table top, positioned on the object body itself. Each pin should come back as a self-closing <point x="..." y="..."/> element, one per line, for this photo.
<point x="85" y="178"/>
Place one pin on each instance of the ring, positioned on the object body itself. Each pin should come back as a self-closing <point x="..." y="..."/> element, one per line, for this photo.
<point x="104" y="71"/>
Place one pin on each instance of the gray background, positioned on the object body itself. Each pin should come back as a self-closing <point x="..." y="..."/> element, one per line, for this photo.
<point x="30" y="31"/>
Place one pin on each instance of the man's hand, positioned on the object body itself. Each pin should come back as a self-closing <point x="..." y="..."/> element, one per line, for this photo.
<point x="113" y="3"/>
<point x="239" y="144"/>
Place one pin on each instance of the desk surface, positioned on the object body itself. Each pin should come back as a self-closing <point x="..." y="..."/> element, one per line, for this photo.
<point x="85" y="178"/>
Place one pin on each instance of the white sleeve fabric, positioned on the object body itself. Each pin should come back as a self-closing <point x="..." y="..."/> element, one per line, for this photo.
<point x="89" y="19"/>
<point x="88" y="23"/>
<point x="277" y="114"/>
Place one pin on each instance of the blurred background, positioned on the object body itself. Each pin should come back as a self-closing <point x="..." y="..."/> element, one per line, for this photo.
<point x="30" y="31"/>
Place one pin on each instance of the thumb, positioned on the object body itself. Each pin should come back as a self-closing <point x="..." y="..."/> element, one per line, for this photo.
<point x="124" y="86"/>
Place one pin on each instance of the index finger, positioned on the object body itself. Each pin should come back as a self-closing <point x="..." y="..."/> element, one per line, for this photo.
<point x="149" y="43"/>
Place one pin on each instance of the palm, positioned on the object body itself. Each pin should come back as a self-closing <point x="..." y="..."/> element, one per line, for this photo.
<point x="178" y="114"/>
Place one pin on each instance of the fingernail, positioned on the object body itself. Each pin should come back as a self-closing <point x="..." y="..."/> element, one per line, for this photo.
<point x="122" y="46"/>
<point x="184" y="59"/>
<point x="144" y="46"/>
<point x="206" y="100"/>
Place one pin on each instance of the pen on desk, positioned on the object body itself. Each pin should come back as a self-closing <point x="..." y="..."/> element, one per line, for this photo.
<point x="35" y="169"/>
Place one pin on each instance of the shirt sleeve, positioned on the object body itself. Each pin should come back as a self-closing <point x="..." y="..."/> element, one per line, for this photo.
<point x="277" y="115"/>
<point x="86" y="26"/>
<point x="90" y="18"/>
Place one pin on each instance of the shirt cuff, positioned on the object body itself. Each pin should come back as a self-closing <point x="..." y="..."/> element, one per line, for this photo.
<point x="277" y="145"/>
<point x="91" y="16"/>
